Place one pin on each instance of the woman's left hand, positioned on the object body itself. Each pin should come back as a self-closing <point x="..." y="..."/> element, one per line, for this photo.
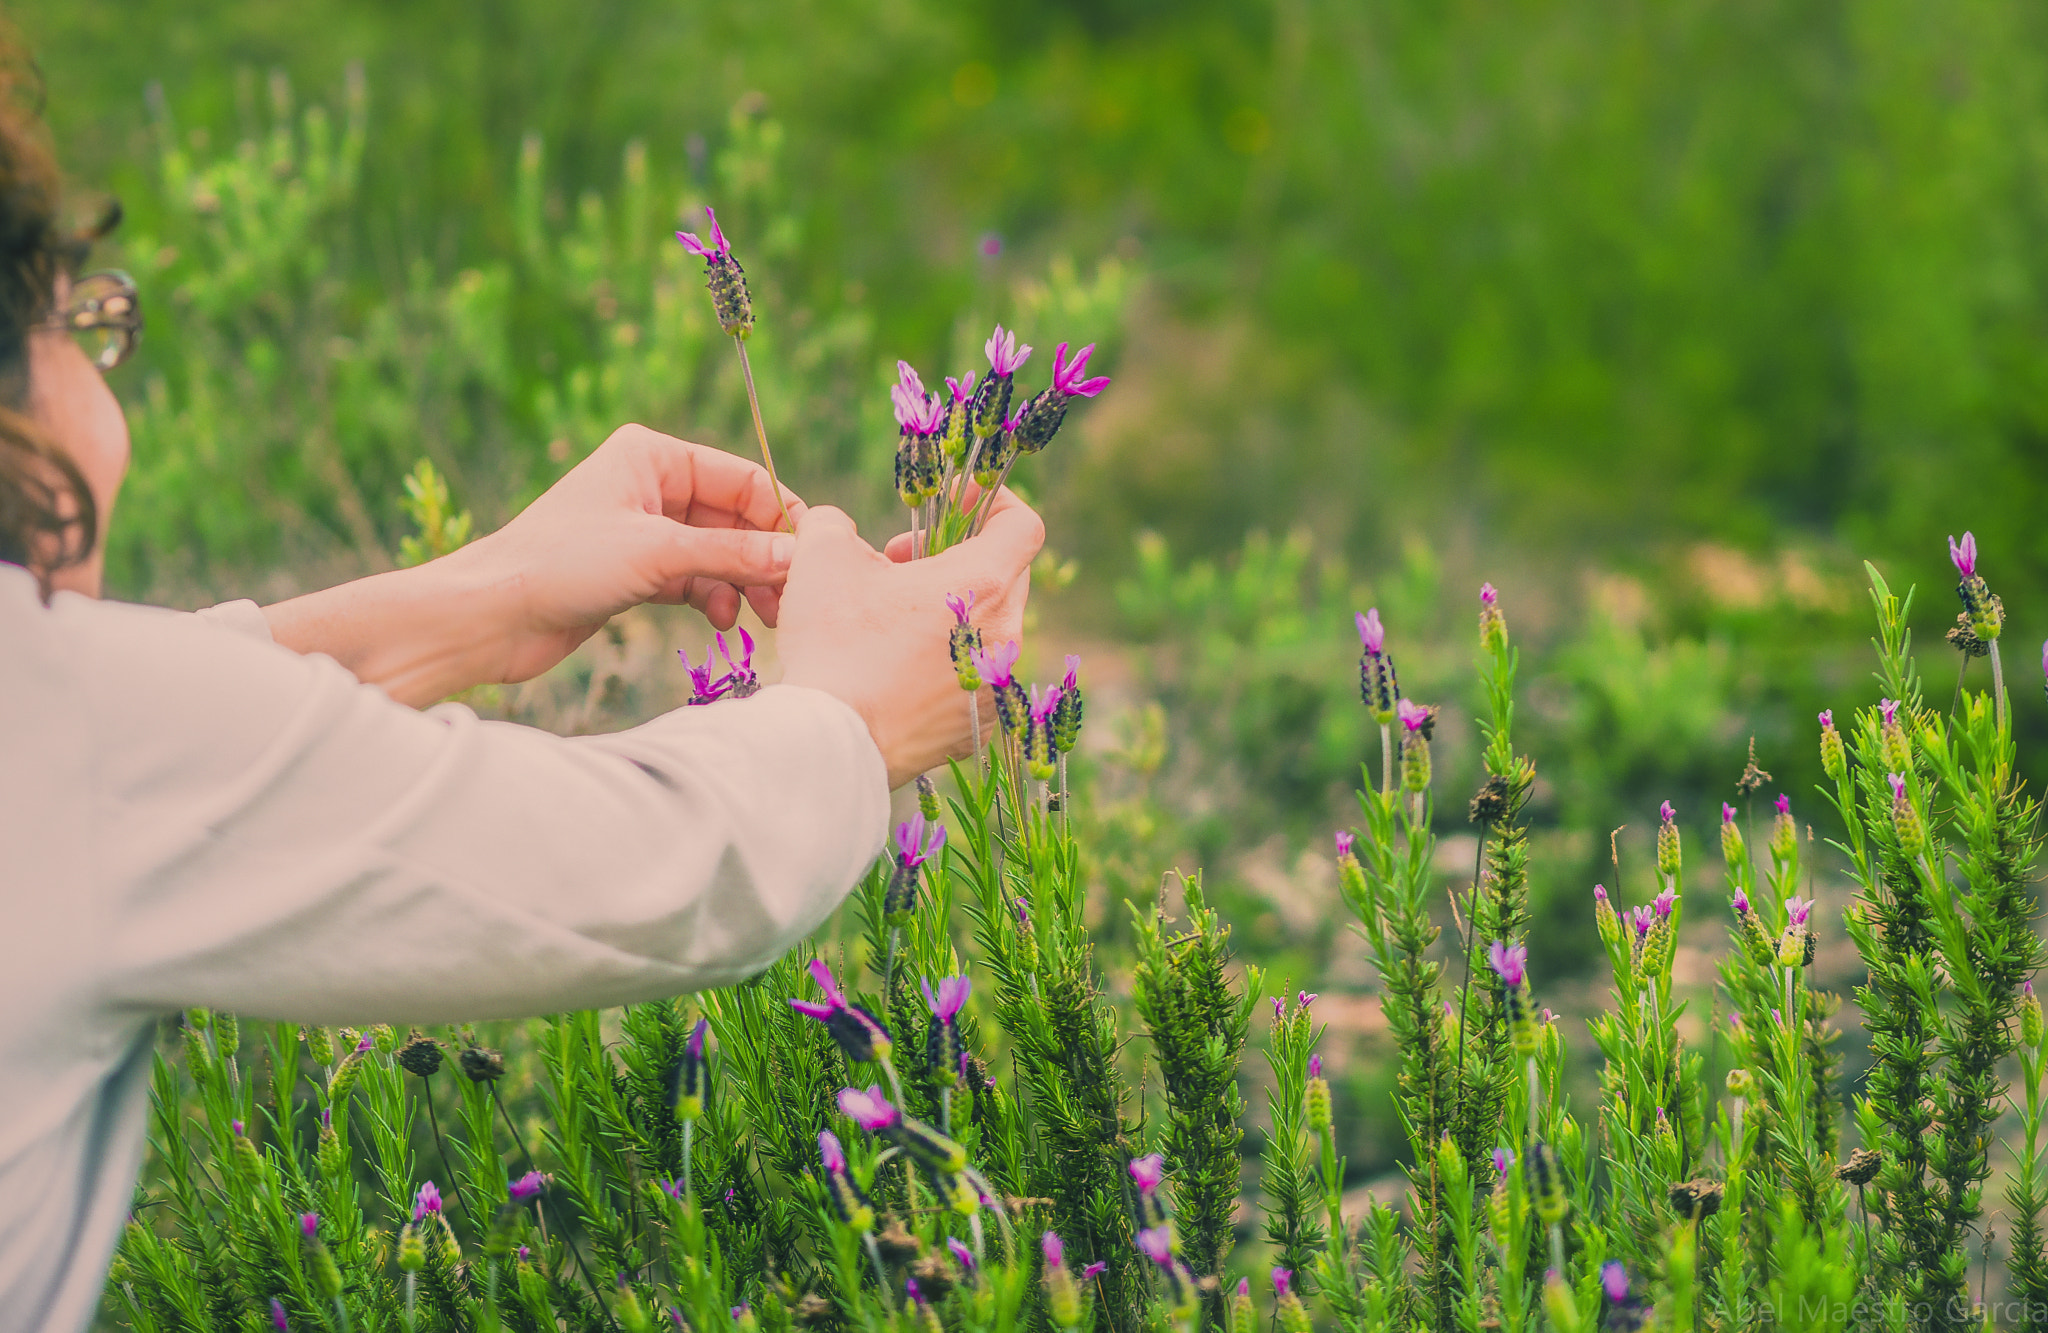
<point x="645" y="518"/>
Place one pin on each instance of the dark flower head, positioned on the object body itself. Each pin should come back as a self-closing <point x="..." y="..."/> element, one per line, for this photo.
<point x="719" y="245"/>
<point x="914" y="844"/>
<point x="1964" y="555"/>
<point x="1005" y="357"/>
<point x="1509" y="961"/>
<point x="950" y="997"/>
<point x="1371" y="634"/>
<point x="1069" y="376"/>
<point x="870" y="1109"/>
<point x="859" y="1035"/>
<point x="527" y="1187"/>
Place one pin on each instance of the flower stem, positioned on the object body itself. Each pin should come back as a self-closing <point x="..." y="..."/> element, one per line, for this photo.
<point x="1998" y="684"/>
<point x="1386" y="757"/>
<point x="761" y="432"/>
<point x="688" y="1127"/>
<point x="974" y="721"/>
<point x="440" y="1145"/>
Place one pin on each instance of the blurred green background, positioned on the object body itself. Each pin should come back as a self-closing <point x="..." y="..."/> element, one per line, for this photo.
<point x="1661" y="317"/>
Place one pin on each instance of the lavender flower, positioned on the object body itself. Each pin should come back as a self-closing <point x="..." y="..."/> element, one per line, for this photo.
<point x="860" y="1035"/>
<point x="724" y="277"/>
<point x="1727" y="813"/>
<point x="1305" y="998"/>
<point x="527" y="1188"/>
<point x="1487" y="595"/>
<point x="1372" y="635"/>
<point x="1054" y="1249"/>
<point x="1509" y="961"/>
<point x="1890" y="709"/>
<point x="870" y="1110"/>
<point x="1156" y="1244"/>
<point x="688" y="1080"/>
<point x="703" y="689"/>
<point x="996" y="666"/>
<point x="1413" y="715"/>
<point x="1283" y="1284"/>
<point x="1346" y="842"/>
<point x="944" y="1050"/>
<point x="1614" y="1281"/>
<point x="1663" y="903"/>
<point x="740" y="681"/>
<point x="914" y="846"/>
<point x="1378" y="686"/>
<point x="1315" y="1066"/>
<point x="1503" y="1158"/>
<point x="309" y="1225"/>
<point x="1066" y="717"/>
<point x="1094" y="1270"/>
<point x="1148" y="1172"/>
<point x="991" y="402"/>
<point x="427" y="1202"/>
<point x="1642" y="918"/>
<point x="853" y="1207"/>
<point x="959" y="425"/>
<point x="1040" y="418"/>
<point x="277" y="1316"/>
<point x="1039" y="755"/>
<point x="1798" y="909"/>
<point x="1740" y="902"/>
<point x="1964" y="555"/>
<point x="1666" y="813"/>
<point x="964" y="642"/>
<point x="961" y="1254"/>
<point x="1783" y="804"/>
<point x="1834" y="760"/>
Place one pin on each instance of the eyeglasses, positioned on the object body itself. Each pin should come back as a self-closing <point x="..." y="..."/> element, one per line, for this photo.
<point x="104" y="316"/>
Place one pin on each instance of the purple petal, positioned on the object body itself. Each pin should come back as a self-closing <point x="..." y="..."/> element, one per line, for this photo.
<point x="695" y="246"/>
<point x="718" y="241"/>
<point x="821" y="972"/>
<point x="1094" y="1270"/>
<point x="830" y="1152"/>
<point x="817" y="1011"/>
<point x="1053" y="1248"/>
<point x="1148" y="1171"/>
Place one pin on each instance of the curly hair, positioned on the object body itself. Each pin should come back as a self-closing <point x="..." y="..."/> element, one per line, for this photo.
<point x="48" y="519"/>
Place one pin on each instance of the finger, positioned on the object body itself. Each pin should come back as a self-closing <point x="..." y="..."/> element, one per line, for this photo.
<point x="722" y="606"/>
<point x="767" y="603"/>
<point x="730" y="555"/>
<point x="899" y="548"/>
<point x="693" y="477"/>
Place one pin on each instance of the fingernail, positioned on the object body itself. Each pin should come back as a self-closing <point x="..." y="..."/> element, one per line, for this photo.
<point x="781" y="549"/>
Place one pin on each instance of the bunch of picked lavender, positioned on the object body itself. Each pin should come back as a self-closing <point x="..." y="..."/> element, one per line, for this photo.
<point x="957" y="448"/>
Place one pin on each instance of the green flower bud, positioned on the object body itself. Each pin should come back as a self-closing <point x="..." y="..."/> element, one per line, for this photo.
<point x="1547" y="1179"/>
<point x="320" y="1045"/>
<point x="197" y="1059"/>
<point x="927" y="797"/>
<point x="198" y="1018"/>
<point x="1732" y="850"/>
<point x="1784" y="837"/>
<point x="326" y="1273"/>
<point x="385" y="1038"/>
<point x="1740" y="1082"/>
<point x="1793" y="947"/>
<point x="1668" y="852"/>
<point x="227" y="1034"/>
<point x="1493" y="626"/>
<point x="2030" y="1017"/>
<point x="1415" y="762"/>
<point x="1243" y="1318"/>
<point x="1834" y="760"/>
<point x="343" y="1079"/>
<point x="1294" y="1316"/>
<point x="1318" y="1099"/>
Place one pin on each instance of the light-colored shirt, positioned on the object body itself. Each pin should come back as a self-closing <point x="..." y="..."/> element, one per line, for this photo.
<point x="194" y="816"/>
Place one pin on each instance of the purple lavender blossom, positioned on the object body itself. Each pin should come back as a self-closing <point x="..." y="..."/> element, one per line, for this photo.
<point x="1890" y="709"/>
<point x="1487" y="595"/>
<point x="1663" y="903"/>
<point x="1283" y="1283"/>
<point x="914" y="845"/>
<point x="1783" y="804"/>
<point x="911" y="1289"/>
<point x="237" y="1127"/>
<point x="719" y="245"/>
<point x="740" y="680"/>
<point x="1148" y="1171"/>
<point x="1798" y="909"/>
<point x="1068" y="376"/>
<point x="309" y="1225"/>
<point x="1156" y="1244"/>
<point x="703" y="689"/>
<point x="1346" y="841"/>
<point x="1642" y="918"/>
<point x="859" y="1034"/>
<point x="1413" y="715"/>
<point x="1072" y="680"/>
<point x="1727" y="813"/>
<point x="1827" y="715"/>
<point x="1666" y="813"/>
<point x="1372" y="635"/>
<point x="1740" y="902"/>
<point x="961" y="1254"/>
<point x="1614" y="1281"/>
<point x="960" y="606"/>
<point x="1964" y="555"/>
<point x="1279" y="1008"/>
<point x="1053" y="1248"/>
<point x="830" y="1151"/>
<point x="1898" y="781"/>
<point x="1305" y="998"/>
<point x="952" y="994"/>
<point x="277" y="1319"/>
<point x="962" y="389"/>
<point x="1599" y="893"/>
<point x="427" y="1202"/>
<point x="1043" y="704"/>
<point x="527" y="1187"/>
<point x="1503" y="1158"/>
<point x="1005" y="357"/>
<point x="1094" y="1270"/>
<point x="869" y="1109"/>
<point x="1315" y="1066"/>
<point x="996" y="664"/>
<point x="1509" y="961"/>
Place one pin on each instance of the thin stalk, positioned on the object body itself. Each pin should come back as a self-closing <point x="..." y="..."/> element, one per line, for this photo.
<point x="1998" y="684"/>
<point x="946" y="1111"/>
<point x="688" y="1127"/>
<point x="440" y="1146"/>
<point x="1066" y="801"/>
<point x="974" y="721"/>
<point x="761" y="431"/>
<point x="1465" y="986"/>
<point x="1386" y="757"/>
<point x="987" y="501"/>
<point x="881" y="1277"/>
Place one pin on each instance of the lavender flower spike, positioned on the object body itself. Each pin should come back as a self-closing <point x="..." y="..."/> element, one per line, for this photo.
<point x="1727" y="813"/>
<point x="1053" y="1248"/>
<point x="1005" y="357"/>
<point x="1783" y="804"/>
<point x="703" y="689"/>
<point x="1663" y="903"/>
<point x="1283" y="1283"/>
<point x="1156" y="1244"/>
<point x="1503" y="1158"/>
<point x="1488" y="594"/>
<point x="426" y="1202"/>
<point x="740" y="680"/>
<point x="1148" y="1171"/>
<point x="914" y="845"/>
<point x="1798" y="909"/>
<point x="961" y="1254"/>
<point x="1346" y="842"/>
<point x="309" y="1225"/>
<point x="1509" y="961"/>
<point x="277" y="1316"/>
<point x="1614" y="1281"/>
<point x="1666" y="813"/>
<point x="527" y="1187"/>
<point x="1412" y="714"/>
<point x="719" y="245"/>
<point x="1964" y="555"/>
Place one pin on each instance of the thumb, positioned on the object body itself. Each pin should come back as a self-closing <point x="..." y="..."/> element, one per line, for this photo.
<point x="824" y="528"/>
<point x="739" y="556"/>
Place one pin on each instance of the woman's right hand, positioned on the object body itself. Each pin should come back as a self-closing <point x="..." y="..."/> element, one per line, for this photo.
<point x="873" y="632"/>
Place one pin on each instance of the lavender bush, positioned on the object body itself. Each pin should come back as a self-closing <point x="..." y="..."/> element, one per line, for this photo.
<point x="958" y="1118"/>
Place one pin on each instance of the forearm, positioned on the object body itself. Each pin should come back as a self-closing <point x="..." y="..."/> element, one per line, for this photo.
<point x="421" y="634"/>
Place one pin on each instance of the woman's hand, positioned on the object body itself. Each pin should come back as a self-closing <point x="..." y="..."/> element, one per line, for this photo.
<point x="873" y="631"/>
<point x="645" y="518"/>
